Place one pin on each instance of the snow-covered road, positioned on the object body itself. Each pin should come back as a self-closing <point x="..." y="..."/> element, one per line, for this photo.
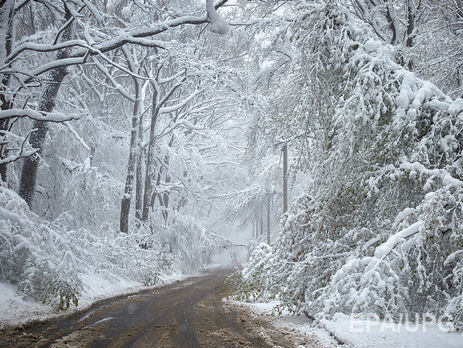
<point x="190" y="313"/>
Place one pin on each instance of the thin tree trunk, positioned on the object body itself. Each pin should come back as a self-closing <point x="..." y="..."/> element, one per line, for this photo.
<point x="139" y="187"/>
<point x="6" y="27"/>
<point x="268" y="220"/>
<point x="47" y="103"/>
<point x="285" y="178"/>
<point x="165" y="203"/>
<point x="150" y="196"/>
<point x="139" y="172"/>
<point x="256" y="224"/>
<point x="155" y="194"/>
<point x="150" y="160"/>
<point x="165" y="195"/>
<point x="411" y="14"/>
<point x="131" y="167"/>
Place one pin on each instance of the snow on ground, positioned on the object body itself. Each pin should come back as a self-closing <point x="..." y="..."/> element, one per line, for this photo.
<point x="372" y="333"/>
<point x="357" y="333"/>
<point x="13" y="307"/>
<point x="16" y="310"/>
<point x="300" y="328"/>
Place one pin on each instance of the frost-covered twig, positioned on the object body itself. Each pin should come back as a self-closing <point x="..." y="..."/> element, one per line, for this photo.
<point x="77" y="136"/>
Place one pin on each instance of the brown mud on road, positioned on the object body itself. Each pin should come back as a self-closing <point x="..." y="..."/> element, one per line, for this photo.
<point x="187" y="314"/>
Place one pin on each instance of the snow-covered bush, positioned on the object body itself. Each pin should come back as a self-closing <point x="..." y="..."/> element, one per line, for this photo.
<point x="47" y="260"/>
<point x="380" y="227"/>
<point x="34" y="256"/>
<point x="185" y="240"/>
<point x="259" y="263"/>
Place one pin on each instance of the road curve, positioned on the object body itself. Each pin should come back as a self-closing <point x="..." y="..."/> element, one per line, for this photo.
<point x="186" y="314"/>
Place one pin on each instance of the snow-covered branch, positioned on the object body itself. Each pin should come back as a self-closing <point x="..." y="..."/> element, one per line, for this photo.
<point x="173" y="108"/>
<point x="77" y="136"/>
<point x="218" y="24"/>
<point x="37" y="115"/>
<point x="137" y="36"/>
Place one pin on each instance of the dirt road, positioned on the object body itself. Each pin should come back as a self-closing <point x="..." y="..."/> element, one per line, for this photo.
<point x="187" y="314"/>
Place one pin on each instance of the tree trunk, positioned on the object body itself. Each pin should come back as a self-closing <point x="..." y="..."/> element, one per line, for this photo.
<point x="150" y="160"/>
<point x="285" y="178"/>
<point x="131" y="167"/>
<point x="6" y="28"/>
<point x="155" y="194"/>
<point x="257" y="224"/>
<point x="139" y="172"/>
<point x="165" y="195"/>
<point x="47" y="103"/>
<point x="139" y="187"/>
<point x="268" y="220"/>
<point x="411" y="14"/>
<point x="150" y="196"/>
<point x="165" y="204"/>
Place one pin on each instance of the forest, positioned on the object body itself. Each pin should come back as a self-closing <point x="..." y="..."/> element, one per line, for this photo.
<point x="139" y="137"/>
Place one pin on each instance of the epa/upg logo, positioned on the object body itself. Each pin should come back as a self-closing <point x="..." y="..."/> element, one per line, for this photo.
<point x="372" y="321"/>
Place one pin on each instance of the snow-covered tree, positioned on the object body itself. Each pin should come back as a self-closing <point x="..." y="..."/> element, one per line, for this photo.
<point x="114" y="100"/>
<point x="379" y="227"/>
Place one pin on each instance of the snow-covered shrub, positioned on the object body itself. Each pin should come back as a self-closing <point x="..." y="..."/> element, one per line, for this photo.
<point x="34" y="256"/>
<point x="47" y="260"/>
<point x="252" y="287"/>
<point x="415" y="270"/>
<point x="186" y="241"/>
<point x="114" y="255"/>
<point x="380" y="227"/>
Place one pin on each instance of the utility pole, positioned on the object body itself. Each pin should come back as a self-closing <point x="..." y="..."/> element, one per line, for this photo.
<point x="257" y="227"/>
<point x="284" y="149"/>
<point x="268" y="220"/>
<point x="261" y="217"/>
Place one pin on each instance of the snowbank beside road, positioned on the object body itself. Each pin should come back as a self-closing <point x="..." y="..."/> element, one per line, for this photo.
<point x="363" y="333"/>
<point x="15" y="310"/>
<point x="297" y="329"/>
<point x="13" y="307"/>
<point x="358" y="333"/>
